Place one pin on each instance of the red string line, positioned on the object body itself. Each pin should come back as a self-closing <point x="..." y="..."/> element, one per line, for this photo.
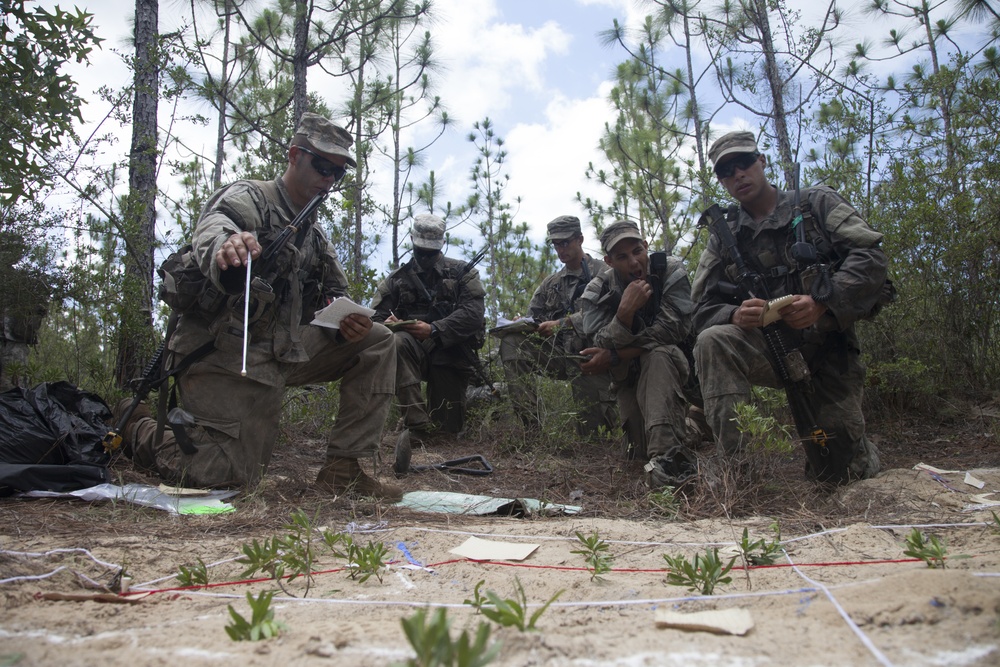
<point x="529" y="566"/>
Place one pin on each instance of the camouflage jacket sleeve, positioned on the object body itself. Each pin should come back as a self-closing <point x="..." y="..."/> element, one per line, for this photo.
<point x="384" y="301"/>
<point x="863" y="266"/>
<point x="467" y="320"/>
<point x="710" y="307"/>
<point x="596" y="267"/>
<point x="537" y="308"/>
<point x="236" y="208"/>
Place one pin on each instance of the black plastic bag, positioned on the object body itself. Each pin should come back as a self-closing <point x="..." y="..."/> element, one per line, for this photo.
<point x="54" y="424"/>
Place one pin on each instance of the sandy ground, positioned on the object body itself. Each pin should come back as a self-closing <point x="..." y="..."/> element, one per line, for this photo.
<point x="842" y="595"/>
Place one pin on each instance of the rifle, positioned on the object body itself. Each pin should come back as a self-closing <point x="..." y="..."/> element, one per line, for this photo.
<point x="299" y="226"/>
<point x="438" y="311"/>
<point x="149" y="380"/>
<point x="826" y="454"/>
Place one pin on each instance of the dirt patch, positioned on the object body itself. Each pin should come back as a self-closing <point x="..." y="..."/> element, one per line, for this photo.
<point x="843" y="594"/>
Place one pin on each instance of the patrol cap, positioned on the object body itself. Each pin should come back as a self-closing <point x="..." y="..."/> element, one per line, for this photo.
<point x="617" y="231"/>
<point x="731" y="143"/>
<point x="427" y="232"/>
<point x="563" y="227"/>
<point x="325" y="136"/>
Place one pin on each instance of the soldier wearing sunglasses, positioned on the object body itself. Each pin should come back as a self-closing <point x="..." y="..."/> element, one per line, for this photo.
<point x="233" y="419"/>
<point x="732" y="354"/>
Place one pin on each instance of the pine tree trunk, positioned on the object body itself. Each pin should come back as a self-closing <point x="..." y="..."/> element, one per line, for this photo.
<point x="139" y="209"/>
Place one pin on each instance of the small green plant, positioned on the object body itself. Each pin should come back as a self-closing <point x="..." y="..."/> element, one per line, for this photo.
<point x="597" y="554"/>
<point x="927" y="548"/>
<point x="996" y="521"/>
<point x="760" y="551"/>
<point x="762" y="433"/>
<point x="510" y="612"/>
<point x="432" y="642"/>
<point x="285" y="556"/>
<point x="261" y="624"/>
<point x="702" y="575"/>
<point x="665" y="502"/>
<point x="365" y="561"/>
<point x="196" y="575"/>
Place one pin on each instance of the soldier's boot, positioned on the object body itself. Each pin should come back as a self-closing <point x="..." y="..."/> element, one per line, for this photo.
<point x="127" y="432"/>
<point x="343" y="475"/>
<point x="698" y="430"/>
<point x="676" y="472"/>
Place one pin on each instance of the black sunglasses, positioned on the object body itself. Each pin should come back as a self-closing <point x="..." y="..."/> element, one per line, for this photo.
<point x="743" y="161"/>
<point x="324" y="167"/>
<point x="563" y="243"/>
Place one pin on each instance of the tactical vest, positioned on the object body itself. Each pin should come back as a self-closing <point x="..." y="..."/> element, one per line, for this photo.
<point x="187" y="290"/>
<point x="777" y="266"/>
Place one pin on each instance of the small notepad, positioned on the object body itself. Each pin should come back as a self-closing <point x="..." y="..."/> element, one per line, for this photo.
<point x="771" y="314"/>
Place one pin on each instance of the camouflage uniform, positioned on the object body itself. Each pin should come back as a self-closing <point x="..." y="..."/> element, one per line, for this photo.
<point x="444" y="361"/>
<point x="22" y="309"/>
<point x="650" y="388"/>
<point x="525" y="354"/>
<point x="237" y="417"/>
<point x="731" y="359"/>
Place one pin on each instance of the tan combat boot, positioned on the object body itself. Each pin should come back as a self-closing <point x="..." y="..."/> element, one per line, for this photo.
<point x="341" y="475"/>
<point x="128" y="436"/>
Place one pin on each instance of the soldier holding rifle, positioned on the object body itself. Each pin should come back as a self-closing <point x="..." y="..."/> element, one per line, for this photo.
<point x="815" y="247"/>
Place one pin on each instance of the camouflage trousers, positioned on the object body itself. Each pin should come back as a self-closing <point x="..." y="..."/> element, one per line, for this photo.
<point x="13" y="359"/>
<point x="236" y="419"/>
<point x="652" y="404"/>
<point x="731" y="360"/>
<point x="444" y="408"/>
<point x="524" y="355"/>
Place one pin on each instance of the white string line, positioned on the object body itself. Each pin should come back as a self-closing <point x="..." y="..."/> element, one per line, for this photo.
<point x="881" y="657"/>
<point x="36" y="577"/>
<point x="577" y="604"/>
<point x="74" y="550"/>
<point x="831" y="531"/>
<point x="168" y="577"/>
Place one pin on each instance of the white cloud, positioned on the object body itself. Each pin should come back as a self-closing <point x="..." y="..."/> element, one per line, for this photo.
<point x="486" y="60"/>
<point x="548" y="160"/>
